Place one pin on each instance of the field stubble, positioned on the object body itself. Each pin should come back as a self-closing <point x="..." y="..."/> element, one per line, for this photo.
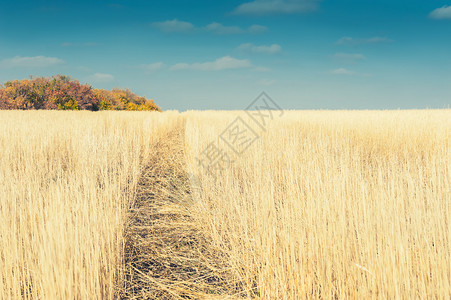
<point x="323" y="205"/>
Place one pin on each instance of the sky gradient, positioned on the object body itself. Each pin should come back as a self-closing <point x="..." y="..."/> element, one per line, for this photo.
<point x="306" y="54"/>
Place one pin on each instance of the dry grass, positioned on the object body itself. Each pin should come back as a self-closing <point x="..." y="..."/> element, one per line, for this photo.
<point x="333" y="204"/>
<point x="323" y="205"/>
<point x="67" y="179"/>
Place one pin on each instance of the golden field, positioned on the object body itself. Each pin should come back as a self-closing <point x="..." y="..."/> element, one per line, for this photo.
<point x="322" y="205"/>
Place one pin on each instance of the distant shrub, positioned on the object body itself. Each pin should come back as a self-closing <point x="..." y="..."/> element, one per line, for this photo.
<point x="61" y="92"/>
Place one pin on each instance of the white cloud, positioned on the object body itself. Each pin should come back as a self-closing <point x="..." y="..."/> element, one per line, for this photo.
<point x="174" y="26"/>
<point x="271" y="49"/>
<point x="349" y="57"/>
<point x="153" y="67"/>
<point x="257" y="29"/>
<point x="180" y="66"/>
<point x="342" y="71"/>
<point x="221" y="29"/>
<point x="353" y="41"/>
<point x="101" y="78"/>
<point x="223" y="63"/>
<point x="266" y="82"/>
<point x="266" y="7"/>
<point x="214" y="27"/>
<point x="262" y="69"/>
<point x="218" y="28"/>
<point x="31" y="62"/>
<point x="441" y="13"/>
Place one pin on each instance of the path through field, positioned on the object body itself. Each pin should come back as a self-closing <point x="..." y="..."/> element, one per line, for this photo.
<point x="166" y="256"/>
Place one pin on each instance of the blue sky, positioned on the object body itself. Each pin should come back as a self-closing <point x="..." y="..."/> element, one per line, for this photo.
<point x="306" y="54"/>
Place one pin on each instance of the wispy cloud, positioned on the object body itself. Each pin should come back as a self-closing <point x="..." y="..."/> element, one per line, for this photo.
<point x="214" y="27"/>
<point x="221" y="29"/>
<point x="349" y="57"/>
<point x="346" y="72"/>
<point x="271" y="49"/>
<point x="174" y="26"/>
<point x="267" y="7"/>
<point x="341" y="71"/>
<point x="223" y="63"/>
<point x="266" y="82"/>
<point x="218" y="28"/>
<point x="69" y="44"/>
<point x="100" y="78"/>
<point x="261" y="69"/>
<point x="153" y="67"/>
<point x="353" y="41"/>
<point x="31" y="62"/>
<point x="257" y="29"/>
<point x="441" y="13"/>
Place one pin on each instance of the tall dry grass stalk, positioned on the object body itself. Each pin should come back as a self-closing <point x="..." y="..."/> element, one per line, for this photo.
<point x="67" y="180"/>
<point x="332" y="205"/>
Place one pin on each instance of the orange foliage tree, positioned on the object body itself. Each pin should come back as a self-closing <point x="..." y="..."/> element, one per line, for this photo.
<point x="62" y="92"/>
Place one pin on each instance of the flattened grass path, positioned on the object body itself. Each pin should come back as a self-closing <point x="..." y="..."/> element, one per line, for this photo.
<point x="166" y="255"/>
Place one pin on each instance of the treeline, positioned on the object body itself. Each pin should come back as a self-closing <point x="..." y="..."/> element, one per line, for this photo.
<point x="65" y="93"/>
